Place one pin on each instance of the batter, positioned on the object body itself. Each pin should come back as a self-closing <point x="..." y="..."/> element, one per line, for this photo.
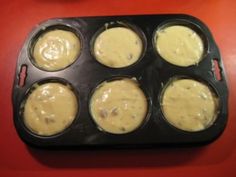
<point x="118" y="106"/>
<point x="189" y="105"/>
<point x="50" y="109"/>
<point x="179" y="45"/>
<point x="56" y="50"/>
<point x="118" y="47"/>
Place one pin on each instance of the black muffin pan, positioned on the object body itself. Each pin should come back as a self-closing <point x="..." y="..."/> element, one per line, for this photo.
<point x="151" y="71"/>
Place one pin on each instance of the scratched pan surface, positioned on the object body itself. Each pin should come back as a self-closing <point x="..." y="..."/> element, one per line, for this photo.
<point x="151" y="71"/>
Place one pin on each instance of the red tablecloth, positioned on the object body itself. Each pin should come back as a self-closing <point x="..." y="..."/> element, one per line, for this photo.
<point x="16" y="159"/>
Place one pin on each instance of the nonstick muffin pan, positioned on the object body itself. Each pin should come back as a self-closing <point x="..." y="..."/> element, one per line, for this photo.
<point x="151" y="72"/>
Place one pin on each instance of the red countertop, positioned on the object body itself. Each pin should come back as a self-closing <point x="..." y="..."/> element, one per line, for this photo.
<point x="16" y="159"/>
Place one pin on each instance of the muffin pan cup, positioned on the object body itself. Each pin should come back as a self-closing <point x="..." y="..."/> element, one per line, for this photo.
<point x="122" y="24"/>
<point x="151" y="71"/>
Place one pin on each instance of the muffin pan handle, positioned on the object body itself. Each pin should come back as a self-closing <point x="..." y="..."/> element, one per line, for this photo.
<point x="217" y="69"/>
<point x="22" y="75"/>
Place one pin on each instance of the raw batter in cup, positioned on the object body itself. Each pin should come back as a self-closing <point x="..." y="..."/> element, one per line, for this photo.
<point x="189" y="105"/>
<point x="56" y="50"/>
<point x="118" y="47"/>
<point x="179" y="45"/>
<point x="118" y="106"/>
<point x="50" y="109"/>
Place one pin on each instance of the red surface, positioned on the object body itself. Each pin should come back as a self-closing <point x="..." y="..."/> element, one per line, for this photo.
<point x="16" y="159"/>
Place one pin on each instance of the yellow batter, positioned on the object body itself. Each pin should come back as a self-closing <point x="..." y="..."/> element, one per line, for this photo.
<point x="118" y="106"/>
<point x="56" y="49"/>
<point x="189" y="105"/>
<point x="118" y="47"/>
<point x="50" y="108"/>
<point x="179" y="45"/>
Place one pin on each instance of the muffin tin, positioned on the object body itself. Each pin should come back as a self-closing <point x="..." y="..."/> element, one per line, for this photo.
<point x="151" y="71"/>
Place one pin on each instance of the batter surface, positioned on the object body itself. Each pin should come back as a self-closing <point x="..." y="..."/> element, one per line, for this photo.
<point x="56" y="50"/>
<point x="118" y="106"/>
<point x="189" y="105"/>
<point x="50" y="108"/>
<point x="179" y="45"/>
<point x="118" y="47"/>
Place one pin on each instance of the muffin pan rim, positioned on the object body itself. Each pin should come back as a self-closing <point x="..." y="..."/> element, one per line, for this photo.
<point x="45" y="28"/>
<point x="207" y="83"/>
<point x="31" y="88"/>
<point x="142" y="88"/>
<point x="186" y="23"/>
<point x="124" y="24"/>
